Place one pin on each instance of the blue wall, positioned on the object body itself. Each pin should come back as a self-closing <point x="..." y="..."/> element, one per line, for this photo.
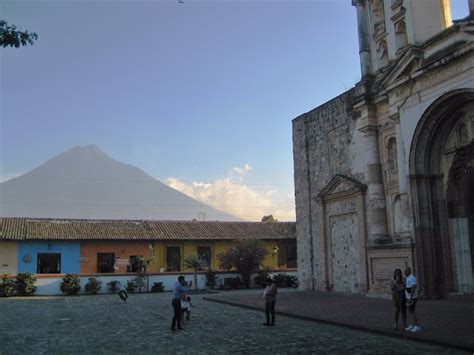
<point x="70" y="255"/>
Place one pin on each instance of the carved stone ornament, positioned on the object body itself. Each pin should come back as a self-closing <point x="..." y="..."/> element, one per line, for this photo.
<point x="377" y="7"/>
<point x="382" y="49"/>
<point x="401" y="34"/>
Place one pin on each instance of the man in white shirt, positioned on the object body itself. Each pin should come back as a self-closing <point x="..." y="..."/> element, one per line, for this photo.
<point x="411" y="294"/>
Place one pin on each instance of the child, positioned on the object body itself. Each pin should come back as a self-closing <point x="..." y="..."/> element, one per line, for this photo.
<point x="186" y="308"/>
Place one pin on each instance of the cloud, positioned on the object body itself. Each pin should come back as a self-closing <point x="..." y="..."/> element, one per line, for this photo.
<point x="239" y="199"/>
<point x="240" y="173"/>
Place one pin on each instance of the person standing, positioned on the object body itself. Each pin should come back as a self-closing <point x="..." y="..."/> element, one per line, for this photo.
<point x="397" y="286"/>
<point x="411" y="294"/>
<point x="178" y="293"/>
<point x="269" y="294"/>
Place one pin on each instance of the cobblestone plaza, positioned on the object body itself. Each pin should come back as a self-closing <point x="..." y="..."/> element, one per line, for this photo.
<point x="104" y="324"/>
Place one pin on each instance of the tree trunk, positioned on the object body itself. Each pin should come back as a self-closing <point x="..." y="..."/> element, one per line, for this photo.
<point x="195" y="280"/>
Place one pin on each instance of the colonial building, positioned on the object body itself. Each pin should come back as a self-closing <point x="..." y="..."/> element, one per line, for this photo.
<point x="95" y="247"/>
<point x="384" y="173"/>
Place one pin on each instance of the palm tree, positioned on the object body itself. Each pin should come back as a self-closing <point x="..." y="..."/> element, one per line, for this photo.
<point x="195" y="262"/>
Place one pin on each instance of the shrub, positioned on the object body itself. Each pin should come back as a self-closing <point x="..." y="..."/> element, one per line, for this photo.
<point x="113" y="286"/>
<point x="211" y="278"/>
<point x="131" y="286"/>
<point x="283" y="280"/>
<point x="140" y="282"/>
<point x="157" y="287"/>
<point x="261" y="276"/>
<point x="25" y="283"/>
<point x="93" y="286"/>
<point x="232" y="283"/>
<point x="7" y="285"/>
<point x="71" y="284"/>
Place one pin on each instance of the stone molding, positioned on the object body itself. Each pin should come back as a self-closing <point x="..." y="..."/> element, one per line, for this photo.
<point x="326" y="194"/>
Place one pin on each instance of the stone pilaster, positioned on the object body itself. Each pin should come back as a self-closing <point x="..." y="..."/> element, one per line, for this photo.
<point x="376" y="204"/>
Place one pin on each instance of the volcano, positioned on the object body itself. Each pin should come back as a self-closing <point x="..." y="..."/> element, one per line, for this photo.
<point x="86" y="183"/>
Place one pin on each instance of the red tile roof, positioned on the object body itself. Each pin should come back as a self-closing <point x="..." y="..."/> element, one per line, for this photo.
<point x="73" y="229"/>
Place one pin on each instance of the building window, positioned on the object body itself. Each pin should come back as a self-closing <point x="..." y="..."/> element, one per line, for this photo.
<point x="205" y="253"/>
<point x="105" y="263"/>
<point x="173" y="259"/>
<point x="49" y="263"/>
<point x="392" y="154"/>
<point x="135" y="264"/>
<point x="291" y="255"/>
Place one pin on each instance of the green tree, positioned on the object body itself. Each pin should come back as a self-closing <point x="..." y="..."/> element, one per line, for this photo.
<point x="144" y="271"/>
<point x="11" y="37"/>
<point x="269" y="219"/>
<point x="195" y="262"/>
<point x="245" y="256"/>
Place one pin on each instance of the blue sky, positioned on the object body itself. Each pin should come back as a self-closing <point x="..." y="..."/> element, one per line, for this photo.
<point x="186" y="91"/>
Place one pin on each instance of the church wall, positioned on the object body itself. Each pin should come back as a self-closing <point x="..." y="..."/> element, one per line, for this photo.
<point x="304" y="244"/>
<point x="356" y="198"/>
<point x="323" y="146"/>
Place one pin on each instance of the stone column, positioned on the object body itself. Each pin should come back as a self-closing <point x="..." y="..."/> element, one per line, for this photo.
<point x="375" y="196"/>
<point x="402" y="174"/>
<point x="471" y="7"/>
<point x="364" y="46"/>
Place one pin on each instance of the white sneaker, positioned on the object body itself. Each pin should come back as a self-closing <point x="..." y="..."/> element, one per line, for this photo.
<point x="416" y="329"/>
<point x="409" y="328"/>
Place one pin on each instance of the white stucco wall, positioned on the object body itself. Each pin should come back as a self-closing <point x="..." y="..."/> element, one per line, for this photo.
<point x="48" y="286"/>
<point x="8" y="257"/>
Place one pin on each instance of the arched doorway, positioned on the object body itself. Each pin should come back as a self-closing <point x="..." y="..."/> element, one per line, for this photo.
<point x="441" y="182"/>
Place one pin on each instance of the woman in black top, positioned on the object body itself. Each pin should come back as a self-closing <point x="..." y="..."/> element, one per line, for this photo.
<point x="397" y="286"/>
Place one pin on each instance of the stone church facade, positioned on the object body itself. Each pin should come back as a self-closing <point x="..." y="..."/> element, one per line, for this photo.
<point x="384" y="173"/>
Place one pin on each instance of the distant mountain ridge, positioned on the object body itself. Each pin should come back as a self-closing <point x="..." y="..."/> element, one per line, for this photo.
<point x="86" y="183"/>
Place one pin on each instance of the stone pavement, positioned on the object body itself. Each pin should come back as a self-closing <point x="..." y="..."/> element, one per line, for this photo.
<point x="445" y="322"/>
<point x="104" y="324"/>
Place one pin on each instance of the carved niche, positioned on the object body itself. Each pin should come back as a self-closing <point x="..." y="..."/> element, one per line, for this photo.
<point x="401" y="34"/>
<point x="382" y="51"/>
<point x="392" y="154"/>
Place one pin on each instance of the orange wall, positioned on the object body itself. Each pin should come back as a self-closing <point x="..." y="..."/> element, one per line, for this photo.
<point x="122" y="250"/>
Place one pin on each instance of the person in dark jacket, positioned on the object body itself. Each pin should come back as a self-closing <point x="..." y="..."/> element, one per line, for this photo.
<point x="178" y="293"/>
<point x="269" y="294"/>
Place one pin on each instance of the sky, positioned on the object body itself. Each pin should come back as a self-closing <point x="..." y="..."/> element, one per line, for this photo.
<point x="199" y="94"/>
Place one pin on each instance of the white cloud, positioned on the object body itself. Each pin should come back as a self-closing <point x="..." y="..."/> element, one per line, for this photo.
<point x="239" y="199"/>
<point x="240" y="173"/>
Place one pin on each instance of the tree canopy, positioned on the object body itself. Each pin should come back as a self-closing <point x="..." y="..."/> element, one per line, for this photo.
<point x="11" y="37"/>
<point x="245" y="256"/>
<point x="195" y="262"/>
<point x="269" y="219"/>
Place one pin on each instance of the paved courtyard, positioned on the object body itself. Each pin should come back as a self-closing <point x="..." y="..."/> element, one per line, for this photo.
<point x="104" y="324"/>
